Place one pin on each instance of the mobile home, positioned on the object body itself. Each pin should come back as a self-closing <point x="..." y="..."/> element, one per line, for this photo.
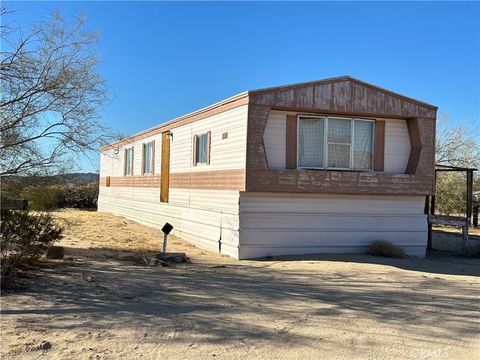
<point x="317" y="167"/>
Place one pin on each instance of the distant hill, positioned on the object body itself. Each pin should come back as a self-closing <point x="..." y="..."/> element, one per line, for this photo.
<point x="68" y="179"/>
<point x="76" y="178"/>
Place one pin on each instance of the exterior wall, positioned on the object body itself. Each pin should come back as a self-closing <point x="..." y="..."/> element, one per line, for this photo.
<point x="209" y="220"/>
<point x="203" y="199"/>
<point x="246" y="204"/>
<point x="345" y="97"/>
<point x="288" y="223"/>
<point x="397" y="142"/>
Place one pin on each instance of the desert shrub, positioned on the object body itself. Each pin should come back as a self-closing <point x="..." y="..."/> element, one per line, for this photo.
<point x="42" y="197"/>
<point x="24" y="237"/>
<point x="79" y="196"/>
<point x="385" y="248"/>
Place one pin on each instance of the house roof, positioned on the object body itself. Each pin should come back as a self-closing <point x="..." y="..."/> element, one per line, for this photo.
<point x="269" y="95"/>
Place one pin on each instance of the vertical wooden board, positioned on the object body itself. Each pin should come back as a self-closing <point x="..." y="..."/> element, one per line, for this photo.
<point x="409" y="109"/>
<point x="291" y="142"/>
<point x="142" y="160"/>
<point x="209" y="146"/>
<point x="195" y="146"/>
<point x="341" y="96"/>
<point x="152" y="161"/>
<point x="359" y="98"/>
<point x="379" y="151"/>
<point x="165" y="174"/>
<point x="375" y="101"/>
<point x="323" y="97"/>
<point x="304" y="97"/>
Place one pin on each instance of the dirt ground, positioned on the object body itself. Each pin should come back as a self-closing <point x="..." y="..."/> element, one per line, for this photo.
<point x="100" y="303"/>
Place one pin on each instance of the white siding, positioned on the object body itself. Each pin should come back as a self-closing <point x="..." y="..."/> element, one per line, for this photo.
<point x="274" y="139"/>
<point x="226" y="154"/>
<point x="207" y="218"/>
<point x="205" y="223"/>
<point x="279" y="224"/>
<point x="397" y="146"/>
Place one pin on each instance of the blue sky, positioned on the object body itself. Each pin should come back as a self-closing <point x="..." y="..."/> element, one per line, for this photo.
<point x="162" y="60"/>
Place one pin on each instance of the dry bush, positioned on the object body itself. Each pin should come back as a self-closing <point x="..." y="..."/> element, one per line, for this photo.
<point x="81" y="196"/>
<point x="385" y="248"/>
<point x="24" y="238"/>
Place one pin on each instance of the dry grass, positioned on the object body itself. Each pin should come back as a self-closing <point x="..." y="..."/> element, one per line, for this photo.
<point x="456" y="230"/>
<point x="386" y="248"/>
<point x="116" y="235"/>
<point x="109" y="231"/>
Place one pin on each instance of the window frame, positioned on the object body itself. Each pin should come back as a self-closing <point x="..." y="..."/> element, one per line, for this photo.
<point x="126" y="160"/>
<point x="326" y="142"/>
<point x="196" y="148"/>
<point x="152" y="160"/>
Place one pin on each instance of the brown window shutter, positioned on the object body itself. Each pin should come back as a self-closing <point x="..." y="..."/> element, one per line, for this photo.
<point x="291" y="142"/>
<point x="209" y="141"/>
<point x="415" y="146"/>
<point x="379" y="150"/>
<point x="195" y="145"/>
<point x="153" y="157"/>
<point x="107" y="181"/>
<point x="143" y="159"/>
<point x="125" y="162"/>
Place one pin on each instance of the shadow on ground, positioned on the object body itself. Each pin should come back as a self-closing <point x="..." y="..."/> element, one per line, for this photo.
<point x="241" y="301"/>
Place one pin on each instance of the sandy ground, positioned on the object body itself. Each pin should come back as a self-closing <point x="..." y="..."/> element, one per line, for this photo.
<point x="101" y="304"/>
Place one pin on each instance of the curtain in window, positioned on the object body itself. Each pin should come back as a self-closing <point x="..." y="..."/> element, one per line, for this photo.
<point x="362" y="146"/>
<point x="339" y="142"/>
<point x="310" y="143"/>
<point x="129" y="161"/>
<point x="147" y="160"/>
<point x="202" y="148"/>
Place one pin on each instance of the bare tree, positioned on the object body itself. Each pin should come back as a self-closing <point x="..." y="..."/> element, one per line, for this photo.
<point x="457" y="145"/>
<point x="51" y="96"/>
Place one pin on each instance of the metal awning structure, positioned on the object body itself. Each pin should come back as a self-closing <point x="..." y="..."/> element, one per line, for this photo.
<point x="463" y="222"/>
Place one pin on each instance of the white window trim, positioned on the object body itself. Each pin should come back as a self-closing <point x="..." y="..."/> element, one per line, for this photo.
<point x="326" y="142"/>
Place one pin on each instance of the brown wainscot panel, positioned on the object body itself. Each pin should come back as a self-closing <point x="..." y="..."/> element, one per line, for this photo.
<point x="211" y="180"/>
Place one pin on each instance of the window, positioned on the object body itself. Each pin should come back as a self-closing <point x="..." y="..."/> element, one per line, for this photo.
<point x="148" y="154"/>
<point x="335" y="143"/>
<point x="128" y="162"/>
<point x="201" y="148"/>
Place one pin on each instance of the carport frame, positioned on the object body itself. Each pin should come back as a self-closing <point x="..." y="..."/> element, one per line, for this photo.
<point x="451" y="220"/>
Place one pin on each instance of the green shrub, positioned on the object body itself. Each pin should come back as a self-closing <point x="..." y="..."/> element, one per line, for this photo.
<point x="24" y="237"/>
<point x="386" y="248"/>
